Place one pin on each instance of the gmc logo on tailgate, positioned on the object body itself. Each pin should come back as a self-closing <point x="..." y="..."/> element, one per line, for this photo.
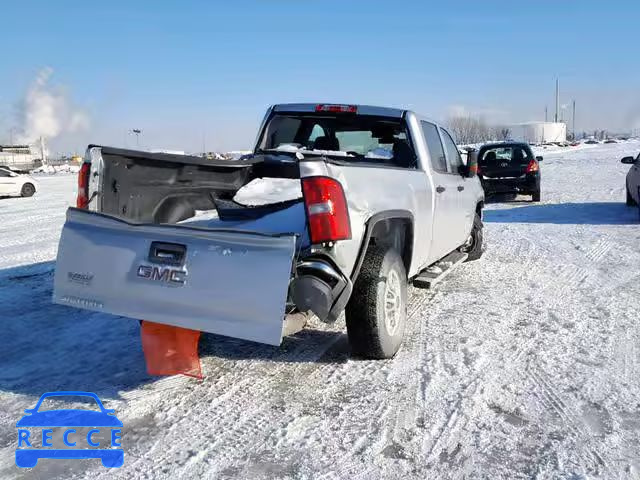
<point x="168" y="275"/>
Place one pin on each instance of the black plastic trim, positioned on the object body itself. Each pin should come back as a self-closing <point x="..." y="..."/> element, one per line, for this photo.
<point x="371" y="223"/>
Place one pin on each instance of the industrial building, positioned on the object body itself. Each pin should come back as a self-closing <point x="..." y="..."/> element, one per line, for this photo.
<point x="19" y="157"/>
<point x="539" y="132"/>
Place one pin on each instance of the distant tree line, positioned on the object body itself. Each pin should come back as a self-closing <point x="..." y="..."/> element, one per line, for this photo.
<point x="469" y="129"/>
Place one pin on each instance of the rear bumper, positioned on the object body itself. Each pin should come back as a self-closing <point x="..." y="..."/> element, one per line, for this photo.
<point x="526" y="184"/>
<point x="320" y="287"/>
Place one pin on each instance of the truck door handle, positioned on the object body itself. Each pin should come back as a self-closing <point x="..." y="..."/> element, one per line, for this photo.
<point x="167" y="253"/>
<point x="460" y="188"/>
<point x="440" y="189"/>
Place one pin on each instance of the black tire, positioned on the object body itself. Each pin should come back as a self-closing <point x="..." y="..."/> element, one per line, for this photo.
<point x="28" y="189"/>
<point x="535" y="197"/>
<point x="630" y="201"/>
<point x="370" y="334"/>
<point x="475" y="245"/>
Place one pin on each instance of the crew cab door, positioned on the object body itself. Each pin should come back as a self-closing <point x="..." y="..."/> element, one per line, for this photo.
<point x="465" y="203"/>
<point x="445" y="229"/>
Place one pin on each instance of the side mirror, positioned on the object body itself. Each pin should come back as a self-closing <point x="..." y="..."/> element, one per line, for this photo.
<point x="628" y="160"/>
<point x="539" y="158"/>
<point x="470" y="170"/>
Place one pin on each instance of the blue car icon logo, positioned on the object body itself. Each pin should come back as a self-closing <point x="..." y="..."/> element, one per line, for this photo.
<point x="100" y="422"/>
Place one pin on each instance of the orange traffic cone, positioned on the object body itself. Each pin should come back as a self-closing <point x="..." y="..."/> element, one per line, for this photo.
<point x="170" y="350"/>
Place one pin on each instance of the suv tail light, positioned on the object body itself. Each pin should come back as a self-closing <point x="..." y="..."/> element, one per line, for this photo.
<point x="82" y="200"/>
<point x="533" y="166"/>
<point x="327" y="210"/>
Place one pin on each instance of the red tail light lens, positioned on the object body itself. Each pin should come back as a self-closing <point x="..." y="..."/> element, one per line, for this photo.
<point x="327" y="210"/>
<point x="337" y="108"/>
<point x="533" y="166"/>
<point x="82" y="201"/>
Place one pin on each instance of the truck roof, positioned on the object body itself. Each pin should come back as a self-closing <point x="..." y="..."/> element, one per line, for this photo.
<point x="362" y="109"/>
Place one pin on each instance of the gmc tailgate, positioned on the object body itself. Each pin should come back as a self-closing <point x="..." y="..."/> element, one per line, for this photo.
<point x="228" y="282"/>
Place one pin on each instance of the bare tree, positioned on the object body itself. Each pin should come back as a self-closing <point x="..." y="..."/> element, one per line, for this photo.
<point x="469" y="130"/>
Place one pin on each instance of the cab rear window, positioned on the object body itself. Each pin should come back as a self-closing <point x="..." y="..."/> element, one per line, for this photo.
<point x="350" y="137"/>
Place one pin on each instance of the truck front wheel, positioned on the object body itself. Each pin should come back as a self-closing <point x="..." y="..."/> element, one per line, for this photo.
<point x="377" y="310"/>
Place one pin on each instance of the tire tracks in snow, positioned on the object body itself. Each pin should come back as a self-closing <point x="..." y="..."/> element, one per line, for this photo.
<point x="234" y="421"/>
<point x="576" y="429"/>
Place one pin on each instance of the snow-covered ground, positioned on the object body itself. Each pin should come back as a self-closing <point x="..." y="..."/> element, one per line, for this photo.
<point x="525" y="364"/>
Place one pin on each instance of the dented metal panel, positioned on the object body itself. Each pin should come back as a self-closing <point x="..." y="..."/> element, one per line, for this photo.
<point x="374" y="190"/>
<point x="230" y="282"/>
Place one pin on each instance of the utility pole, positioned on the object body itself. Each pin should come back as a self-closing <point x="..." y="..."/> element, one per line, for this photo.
<point x="573" y="122"/>
<point x="545" y="114"/>
<point x="557" y="99"/>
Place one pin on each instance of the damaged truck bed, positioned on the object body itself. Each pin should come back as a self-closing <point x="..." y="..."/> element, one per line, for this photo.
<point x="163" y="237"/>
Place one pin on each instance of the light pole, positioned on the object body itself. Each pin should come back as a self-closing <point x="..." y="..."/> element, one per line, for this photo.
<point x="137" y="132"/>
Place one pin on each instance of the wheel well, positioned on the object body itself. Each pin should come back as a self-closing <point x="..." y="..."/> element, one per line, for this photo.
<point x="479" y="207"/>
<point x="394" y="233"/>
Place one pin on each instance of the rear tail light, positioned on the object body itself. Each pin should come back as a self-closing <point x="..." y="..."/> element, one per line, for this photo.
<point x="533" y="166"/>
<point x="82" y="201"/>
<point x="337" y="108"/>
<point x="327" y="210"/>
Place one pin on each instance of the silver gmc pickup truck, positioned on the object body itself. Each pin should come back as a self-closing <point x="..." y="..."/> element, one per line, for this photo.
<point x="377" y="198"/>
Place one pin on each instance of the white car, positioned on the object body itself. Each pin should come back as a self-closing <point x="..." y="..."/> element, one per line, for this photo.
<point x="12" y="183"/>
<point x="633" y="180"/>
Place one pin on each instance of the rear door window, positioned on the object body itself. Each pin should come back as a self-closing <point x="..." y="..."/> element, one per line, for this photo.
<point x="436" y="151"/>
<point x="453" y="155"/>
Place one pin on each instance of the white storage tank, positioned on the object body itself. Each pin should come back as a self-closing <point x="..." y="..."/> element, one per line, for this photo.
<point x="539" y="132"/>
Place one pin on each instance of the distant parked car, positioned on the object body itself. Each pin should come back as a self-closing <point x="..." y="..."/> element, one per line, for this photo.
<point x="12" y="183"/>
<point x="633" y="180"/>
<point x="591" y="141"/>
<point x="509" y="168"/>
<point x="610" y="140"/>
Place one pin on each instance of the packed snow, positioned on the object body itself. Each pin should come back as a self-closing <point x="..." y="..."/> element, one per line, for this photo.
<point x="524" y="364"/>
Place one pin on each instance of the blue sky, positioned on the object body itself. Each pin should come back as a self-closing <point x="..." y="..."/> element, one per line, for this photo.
<point x="189" y="71"/>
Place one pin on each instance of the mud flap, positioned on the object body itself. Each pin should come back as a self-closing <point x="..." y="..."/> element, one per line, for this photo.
<point x="170" y="350"/>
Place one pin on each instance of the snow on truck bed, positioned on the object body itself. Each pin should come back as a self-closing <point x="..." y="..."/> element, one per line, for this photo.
<point x="524" y="364"/>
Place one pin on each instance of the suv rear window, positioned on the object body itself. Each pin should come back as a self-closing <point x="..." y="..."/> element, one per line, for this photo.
<point x="511" y="155"/>
<point x="349" y="137"/>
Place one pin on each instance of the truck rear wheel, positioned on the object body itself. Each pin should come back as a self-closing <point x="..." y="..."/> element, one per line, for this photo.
<point x="377" y="310"/>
